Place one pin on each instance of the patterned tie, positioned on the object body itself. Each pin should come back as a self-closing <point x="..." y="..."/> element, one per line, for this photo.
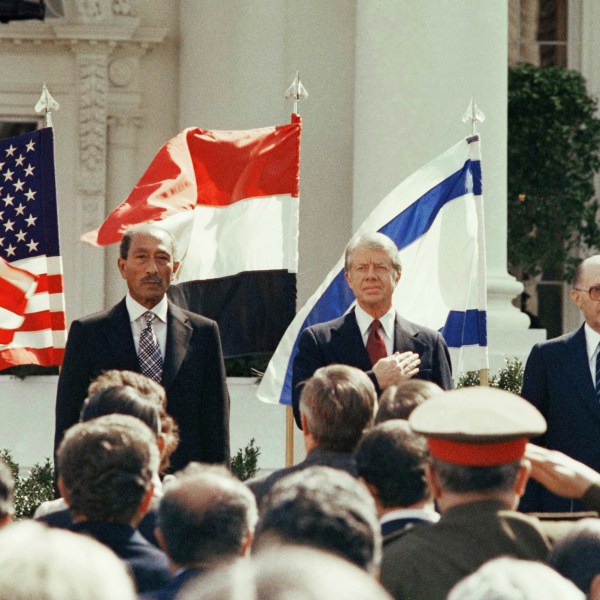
<point x="151" y="362"/>
<point x="598" y="373"/>
<point x="375" y="342"/>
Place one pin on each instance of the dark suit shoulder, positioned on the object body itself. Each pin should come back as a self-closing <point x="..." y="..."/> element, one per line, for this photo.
<point x="559" y="342"/>
<point x="196" y="318"/>
<point x="416" y="329"/>
<point x="333" y="325"/>
<point x="119" y="310"/>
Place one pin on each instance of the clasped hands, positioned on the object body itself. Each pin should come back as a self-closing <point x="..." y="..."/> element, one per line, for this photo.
<point x="396" y="368"/>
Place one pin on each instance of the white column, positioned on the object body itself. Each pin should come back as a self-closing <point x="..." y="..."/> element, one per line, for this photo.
<point x="236" y="60"/>
<point x="121" y="149"/>
<point x="417" y="66"/>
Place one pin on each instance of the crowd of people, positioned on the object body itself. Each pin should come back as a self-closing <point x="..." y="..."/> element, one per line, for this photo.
<point x="414" y="497"/>
<point x="409" y="489"/>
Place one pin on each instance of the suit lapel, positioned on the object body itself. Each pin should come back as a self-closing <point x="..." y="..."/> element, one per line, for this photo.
<point x="178" y="337"/>
<point x="577" y="371"/>
<point x="117" y="329"/>
<point x="406" y="337"/>
<point x="348" y="346"/>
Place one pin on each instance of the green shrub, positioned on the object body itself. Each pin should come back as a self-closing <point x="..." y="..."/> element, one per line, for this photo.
<point x="32" y="489"/>
<point x="37" y="485"/>
<point x="244" y="464"/>
<point x="509" y="378"/>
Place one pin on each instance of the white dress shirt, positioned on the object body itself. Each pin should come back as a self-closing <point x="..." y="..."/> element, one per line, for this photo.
<point x="138" y="322"/>
<point x="388" y="321"/>
<point x="592" y="339"/>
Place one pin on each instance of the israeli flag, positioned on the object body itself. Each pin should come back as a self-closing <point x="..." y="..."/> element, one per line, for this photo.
<point x="435" y="217"/>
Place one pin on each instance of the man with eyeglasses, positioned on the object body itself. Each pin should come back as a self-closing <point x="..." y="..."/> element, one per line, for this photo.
<point x="373" y="336"/>
<point x="562" y="380"/>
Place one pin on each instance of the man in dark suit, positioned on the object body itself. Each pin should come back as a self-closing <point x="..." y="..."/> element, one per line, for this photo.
<point x="106" y="467"/>
<point x="372" y="337"/>
<point x="206" y="519"/>
<point x="146" y="333"/>
<point x="561" y="381"/>
<point x="391" y="461"/>
<point x="338" y="403"/>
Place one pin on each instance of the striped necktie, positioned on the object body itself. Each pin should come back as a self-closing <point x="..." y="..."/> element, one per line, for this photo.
<point x="151" y="362"/>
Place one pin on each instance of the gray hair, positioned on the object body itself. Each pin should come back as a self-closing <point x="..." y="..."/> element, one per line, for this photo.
<point x="285" y="572"/>
<point x="513" y="579"/>
<point x="372" y="241"/>
<point x="55" y="564"/>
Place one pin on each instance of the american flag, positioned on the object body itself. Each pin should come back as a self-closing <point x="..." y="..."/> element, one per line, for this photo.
<point x="32" y="308"/>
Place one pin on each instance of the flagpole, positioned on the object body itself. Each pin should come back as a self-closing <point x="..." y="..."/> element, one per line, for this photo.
<point x="47" y="104"/>
<point x="295" y="92"/>
<point x="475" y="115"/>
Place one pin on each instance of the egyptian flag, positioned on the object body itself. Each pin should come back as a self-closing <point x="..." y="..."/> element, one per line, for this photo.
<point x="230" y="199"/>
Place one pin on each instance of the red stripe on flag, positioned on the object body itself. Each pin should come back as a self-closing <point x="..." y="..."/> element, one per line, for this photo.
<point x="52" y="284"/>
<point x="6" y="336"/>
<point x="12" y="298"/>
<point x="46" y="357"/>
<point x="44" y="320"/>
<point x="215" y="168"/>
<point x="259" y="163"/>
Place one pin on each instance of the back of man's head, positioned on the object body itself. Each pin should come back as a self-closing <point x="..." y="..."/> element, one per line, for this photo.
<point x="576" y="556"/>
<point x="147" y="387"/>
<point x="122" y="400"/>
<point x="206" y="515"/>
<point x="323" y="508"/>
<point x="391" y="458"/>
<point x="463" y="479"/>
<point x="54" y="564"/>
<point x="338" y="403"/>
<point x="398" y="401"/>
<point x="106" y="468"/>
<point x="6" y="494"/>
<point x="151" y="391"/>
<point x="287" y="573"/>
<point x="512" y="579"/>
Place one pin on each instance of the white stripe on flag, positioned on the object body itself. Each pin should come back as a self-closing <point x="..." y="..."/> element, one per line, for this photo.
<point x="43" y="338"/>
<point x="435" y="217"/>
<point x="222" y="245"/>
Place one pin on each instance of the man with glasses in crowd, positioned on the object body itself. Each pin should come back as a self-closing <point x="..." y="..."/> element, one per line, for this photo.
<point x="562" y="380"/>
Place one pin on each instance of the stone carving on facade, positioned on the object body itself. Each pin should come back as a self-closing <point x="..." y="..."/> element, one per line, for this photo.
<point x="94" y="11"/>
<point x="124" y="8"/>
<point x="93" y="100"/>
<point x="120" y="72"/>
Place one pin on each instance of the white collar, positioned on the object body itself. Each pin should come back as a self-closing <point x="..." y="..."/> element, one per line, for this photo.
<point x="592" y="339"/>
<point x="136" y="310"/>
<point x="427" y="514"/>
<point x="364" y="320"/>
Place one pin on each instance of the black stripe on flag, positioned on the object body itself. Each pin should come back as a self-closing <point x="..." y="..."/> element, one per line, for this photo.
<point x="253" y="309"/>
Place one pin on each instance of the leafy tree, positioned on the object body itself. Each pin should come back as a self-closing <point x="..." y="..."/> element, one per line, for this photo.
<point x="553" y="153"/>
